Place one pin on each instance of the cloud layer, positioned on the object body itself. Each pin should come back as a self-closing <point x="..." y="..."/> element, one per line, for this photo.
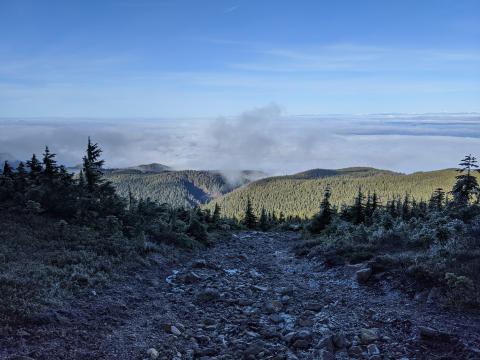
<point x="263" y="138"/>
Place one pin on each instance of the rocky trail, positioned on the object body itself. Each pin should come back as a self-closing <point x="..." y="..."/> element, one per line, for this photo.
<point x="247" y="297"/>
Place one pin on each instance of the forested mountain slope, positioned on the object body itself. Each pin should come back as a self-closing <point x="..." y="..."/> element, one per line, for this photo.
<point x="179" y="188"/>
<point x="300" y="194"/>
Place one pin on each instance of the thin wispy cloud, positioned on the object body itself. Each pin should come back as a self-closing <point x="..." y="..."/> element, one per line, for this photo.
<point x="33" y="86"/>
<point x="231" y="9"/>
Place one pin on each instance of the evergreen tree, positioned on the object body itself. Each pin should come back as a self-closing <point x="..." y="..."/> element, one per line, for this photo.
<point x="375" y="202"/>
<point x="406" y="208"/>
<point x="92" y="167"/>
<point x="392" y="210"/>
<point x="274" y="217"/>
<point x="368" y="207"/>
<point x="281" y="218"/>
<point x="49" y="163"/>
<point x="249" y="220"/>
<point x="35" y="167"/>
<point x="422" y="208"/>
<point x="7" y="169"/>
<point x="81" y="180"/>
<point x="358" y="214"/>
<point x="20" y="178"/>
<point x="216" y="214"/>
<point x="131" y="199"/>
<point x="324" y="217"/>
<point x="437" y="201"/>
<point x="263" y="221"/>
<point x="466" y="188"/>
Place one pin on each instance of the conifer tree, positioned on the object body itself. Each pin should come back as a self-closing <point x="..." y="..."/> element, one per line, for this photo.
<point x="35" y="167"/>
<point x="368" y="206"/>
<point x="406" y="208"/>
<point x="263" y="221"/>
<point x="324" y="217"/>
<point x="281" y="218"/>
<point x="437" y="200"/>
<point x="81" y="180"/>
<point x="358" y="214"/>
<point x="49" y="163"/>
<point x="216" y="214"/>
<point x="92" y="167"/>
<point x="375" y="202"/>
<point x="249" y="220"/>
<point x="466" y="188"/>
<point x="274" y="217"/>
<point x="20" y="177"/>
<point x="7" y="169"/>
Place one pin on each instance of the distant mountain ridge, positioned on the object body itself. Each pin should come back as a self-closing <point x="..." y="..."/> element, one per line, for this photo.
<point x="144" y="168"/>
<point x="300" y="194"/>
<point x="188" y="188"/>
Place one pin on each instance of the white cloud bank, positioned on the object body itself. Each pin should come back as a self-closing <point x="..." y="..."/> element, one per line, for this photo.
<point x="263" y="138"/>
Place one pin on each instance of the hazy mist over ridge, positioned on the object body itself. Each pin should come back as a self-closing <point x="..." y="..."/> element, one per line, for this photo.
<point x="265" y="138"/>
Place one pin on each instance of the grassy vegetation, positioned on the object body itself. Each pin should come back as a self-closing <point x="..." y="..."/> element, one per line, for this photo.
<point x="42" y="259"/>
<point x="60" y="234"/>
<point x="434" y="243"/>
<point x="300" y="195"/>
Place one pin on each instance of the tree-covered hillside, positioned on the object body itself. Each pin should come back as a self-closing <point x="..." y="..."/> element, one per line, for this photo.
<point x="178" y="188"/>
<point x="300" y="194"/>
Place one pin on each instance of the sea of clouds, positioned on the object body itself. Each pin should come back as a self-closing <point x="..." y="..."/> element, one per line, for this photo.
<point x="264" y="138"/>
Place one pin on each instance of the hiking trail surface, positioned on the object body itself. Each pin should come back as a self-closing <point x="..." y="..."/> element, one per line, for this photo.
<point x="247" y="297"/>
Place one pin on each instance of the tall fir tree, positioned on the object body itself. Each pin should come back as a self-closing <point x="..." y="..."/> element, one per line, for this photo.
<point x="216" y="214"/>
<point x="92" y="167"/>
<point x="49" y="164"/>
<point x="358" y="213"/>
<point x="20" y="177"/>
<point x="35" y="168"/>
<point x="324" y="217"/>
<point x="249" y="220"/>
<point x="7" y="169"/>
<point x="466" y="187"/>
<point x="406" y="208"/>
<point x="437" y="201"/>
<point x="263" y="222"/>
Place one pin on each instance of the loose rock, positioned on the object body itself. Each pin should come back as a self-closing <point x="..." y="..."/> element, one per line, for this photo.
<point x="152" y="353"/>
<point x="363" y="275"/>
<point x="368" y="336"/>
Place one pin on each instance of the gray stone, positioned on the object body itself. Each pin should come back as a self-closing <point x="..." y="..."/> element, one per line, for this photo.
<point x="428" y="333"/>
<point x="363" y="275"/>
<point x="255" y="349"/>
<point x="325" y="355"/>
<point x="153" y="353"/>
<point x="208" y="294"/>
<point x="191" y="278"/>
<point x="175" y="331"/>
<point x="339" y="340"/>
<point x="326" y="343"/>
<point x="301" y="344"/>
<point x="373" y="350"/>
<point x="368" y="336"/>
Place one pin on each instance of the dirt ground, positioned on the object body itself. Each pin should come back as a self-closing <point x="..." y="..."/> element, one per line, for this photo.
<point x="247" y="297"/>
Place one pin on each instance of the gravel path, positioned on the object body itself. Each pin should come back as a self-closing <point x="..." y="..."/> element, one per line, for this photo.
<point x="247" y="297"/>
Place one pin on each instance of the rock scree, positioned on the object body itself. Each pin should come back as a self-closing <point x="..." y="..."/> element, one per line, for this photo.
<point x="247" y="297"/>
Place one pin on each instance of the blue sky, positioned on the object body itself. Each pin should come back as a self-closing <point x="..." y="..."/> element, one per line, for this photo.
<point x="178" y="58"/>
